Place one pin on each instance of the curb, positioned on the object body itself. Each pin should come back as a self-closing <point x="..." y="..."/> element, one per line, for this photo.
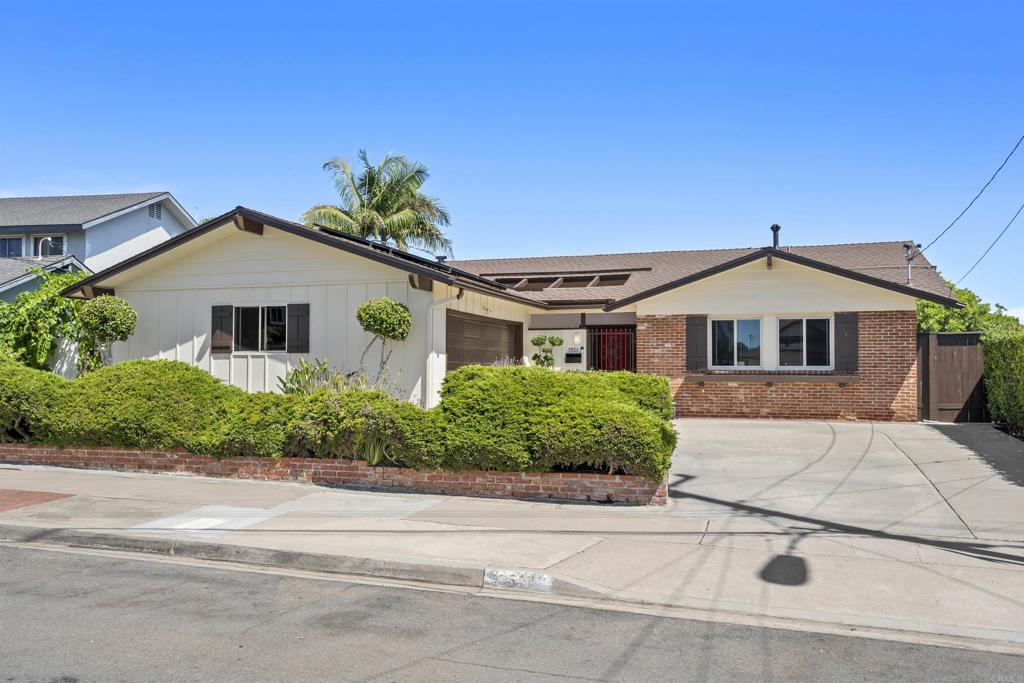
<point x="487" y="579"/>
<point x="448" y="573"/>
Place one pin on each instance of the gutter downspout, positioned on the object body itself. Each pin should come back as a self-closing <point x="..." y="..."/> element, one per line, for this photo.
<point x="428" y="398"/>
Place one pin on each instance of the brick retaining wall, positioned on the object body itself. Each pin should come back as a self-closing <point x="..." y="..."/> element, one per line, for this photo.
<point x="354" y="474"/>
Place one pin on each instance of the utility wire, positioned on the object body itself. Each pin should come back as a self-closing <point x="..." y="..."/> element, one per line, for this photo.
<point x="980" y="192"/>
<point x="998" y="237"/>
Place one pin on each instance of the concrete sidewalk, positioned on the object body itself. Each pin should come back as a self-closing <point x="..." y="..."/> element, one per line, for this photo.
<point x="770" y="567"/>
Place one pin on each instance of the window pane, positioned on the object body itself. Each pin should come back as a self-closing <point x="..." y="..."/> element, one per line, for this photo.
<point x="722" y="339"/>
<point x="817" y="342"/>
<point x="48" y="246"/>
<point x="791" y="342"/>
<point x="247" y="328"/>
<point x="10" y="246"/>
<point x="274" y="338"/>
<point x="748" y="342"/>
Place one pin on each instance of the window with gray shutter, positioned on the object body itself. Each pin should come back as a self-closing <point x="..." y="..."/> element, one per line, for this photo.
<point x="846" y="342"/>
<point x="298" y="328"/>
<point x="696" y="343"/>
<point x="221" y="331"/>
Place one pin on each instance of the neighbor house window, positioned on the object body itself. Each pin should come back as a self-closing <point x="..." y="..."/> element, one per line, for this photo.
<point x="736" y="343"/>
<point x="261" y="328"/>
<point x="48" y="245"/>
<point x="805" y="342"/>
<point x="10" y="246"/>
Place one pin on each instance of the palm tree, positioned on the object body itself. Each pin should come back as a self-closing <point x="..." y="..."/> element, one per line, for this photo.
<point x="384" y="203"/>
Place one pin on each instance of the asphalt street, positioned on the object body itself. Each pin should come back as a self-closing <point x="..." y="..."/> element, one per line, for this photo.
<point x="68" y="617"/>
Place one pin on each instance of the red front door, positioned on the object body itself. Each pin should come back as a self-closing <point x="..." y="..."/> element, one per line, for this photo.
<point x="612" y="348"/>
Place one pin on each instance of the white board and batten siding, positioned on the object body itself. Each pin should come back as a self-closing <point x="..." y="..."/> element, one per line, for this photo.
<point x="175" y="298"/>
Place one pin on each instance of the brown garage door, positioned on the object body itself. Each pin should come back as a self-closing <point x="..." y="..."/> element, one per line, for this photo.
<point x="476" y="339"/>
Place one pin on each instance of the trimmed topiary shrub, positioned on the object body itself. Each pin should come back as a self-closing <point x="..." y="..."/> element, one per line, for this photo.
<point x="1004" y="378"/>
<point x="104" y="320"/>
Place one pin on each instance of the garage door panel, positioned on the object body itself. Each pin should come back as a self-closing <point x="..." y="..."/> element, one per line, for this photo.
<point x="473" y="339"/>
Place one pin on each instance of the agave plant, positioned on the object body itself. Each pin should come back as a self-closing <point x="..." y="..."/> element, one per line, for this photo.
<point x="384" y="203"/>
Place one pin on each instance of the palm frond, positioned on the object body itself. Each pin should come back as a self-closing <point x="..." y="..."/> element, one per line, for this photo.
<point x="331" y="216"/>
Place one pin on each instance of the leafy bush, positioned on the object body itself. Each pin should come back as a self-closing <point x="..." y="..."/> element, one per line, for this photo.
<point x="519" y="418"/>
<point x="1004" y="378"/>
<point x="310" y="377"/>
<point x="28" y="399"/>
<point x="508" y="418"/>
<point x="104" y="320"/>
<point x="33" y="324"/>
<point x="606" y="436"/>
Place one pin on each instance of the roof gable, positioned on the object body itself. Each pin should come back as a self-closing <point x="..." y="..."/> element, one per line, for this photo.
<point x="83" y="210"/>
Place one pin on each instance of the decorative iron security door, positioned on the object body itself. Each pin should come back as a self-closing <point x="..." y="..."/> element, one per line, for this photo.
<point x="611" y="348"/>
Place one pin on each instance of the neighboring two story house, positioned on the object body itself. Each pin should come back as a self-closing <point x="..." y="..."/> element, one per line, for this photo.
<point x="83" y="232"/>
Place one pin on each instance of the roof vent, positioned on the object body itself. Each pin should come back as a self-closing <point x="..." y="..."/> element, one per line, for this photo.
<point x="156" y="211"/>
<point x="775" y="235"/>
<point x="441" y="258"/>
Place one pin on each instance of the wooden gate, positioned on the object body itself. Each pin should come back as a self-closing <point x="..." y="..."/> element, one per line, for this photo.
<point x="950" y="377"/>
<point x="611" y="348"/>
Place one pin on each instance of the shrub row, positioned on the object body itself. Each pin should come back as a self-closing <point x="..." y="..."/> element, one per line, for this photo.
<point x="1004" y="378"/>
<point x="518" y="419"/>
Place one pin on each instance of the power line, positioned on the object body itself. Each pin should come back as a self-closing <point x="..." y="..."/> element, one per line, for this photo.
<point x="980" y="192"/>
<point x="998" y="237"/>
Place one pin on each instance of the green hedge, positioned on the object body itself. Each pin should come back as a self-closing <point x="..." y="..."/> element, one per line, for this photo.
<point x="519" y="419"/>
<point x="1004" y="378"/>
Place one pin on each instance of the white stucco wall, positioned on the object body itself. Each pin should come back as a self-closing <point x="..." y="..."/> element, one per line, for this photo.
<point x="119" y="238"/>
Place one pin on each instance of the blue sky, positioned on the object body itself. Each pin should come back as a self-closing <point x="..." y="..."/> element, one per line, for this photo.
<point x="550" y="127"/>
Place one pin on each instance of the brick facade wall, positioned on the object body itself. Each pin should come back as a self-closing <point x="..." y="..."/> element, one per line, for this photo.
<point x="354" y="474"/>
<point x="887" y="366"/>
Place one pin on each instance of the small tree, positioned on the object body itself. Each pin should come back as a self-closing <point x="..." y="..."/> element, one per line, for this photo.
<point x="545" y="355"/>
<point x="32" y="325"/>
<point x="104" y="320"/>
<point x="388" y="321"/>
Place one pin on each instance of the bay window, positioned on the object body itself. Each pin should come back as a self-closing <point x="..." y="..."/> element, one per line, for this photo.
<point x="736" y="343"/>
<point x="805" y="342"/>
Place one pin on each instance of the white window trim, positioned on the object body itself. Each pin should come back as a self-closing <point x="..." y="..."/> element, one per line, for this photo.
<point x="33" y="237"/>
<point x="17" y="237"/>
<point x="261" y="351"/>
<point x="735" y="342"/>
<point x="804" y="317"/>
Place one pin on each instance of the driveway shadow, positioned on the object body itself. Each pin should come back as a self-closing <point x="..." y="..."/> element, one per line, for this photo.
<point x="999" y="450"/>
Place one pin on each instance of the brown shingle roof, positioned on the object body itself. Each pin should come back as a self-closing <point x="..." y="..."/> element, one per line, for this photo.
<point x="880" y="263"/>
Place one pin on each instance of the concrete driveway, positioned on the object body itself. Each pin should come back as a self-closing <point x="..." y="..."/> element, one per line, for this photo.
<point x="963" y="481"/>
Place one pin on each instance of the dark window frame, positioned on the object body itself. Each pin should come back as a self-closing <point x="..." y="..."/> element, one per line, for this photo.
<point x="20" y="240"/>
<point x="262" y="345"/>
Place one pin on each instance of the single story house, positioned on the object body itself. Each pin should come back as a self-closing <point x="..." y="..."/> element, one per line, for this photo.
<point x="96" y="231"/>
<point x="778" y="331"/>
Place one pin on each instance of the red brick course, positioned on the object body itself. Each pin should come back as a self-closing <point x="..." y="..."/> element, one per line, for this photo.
<point x="887" y="366"/>
<point x="572" y="486"/>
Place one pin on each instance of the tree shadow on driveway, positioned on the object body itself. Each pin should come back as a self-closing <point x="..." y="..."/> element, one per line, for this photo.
<point x="1000" y="451"/>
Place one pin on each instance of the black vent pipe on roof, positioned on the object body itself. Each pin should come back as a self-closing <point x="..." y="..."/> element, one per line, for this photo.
<point x="775" y="235"/>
